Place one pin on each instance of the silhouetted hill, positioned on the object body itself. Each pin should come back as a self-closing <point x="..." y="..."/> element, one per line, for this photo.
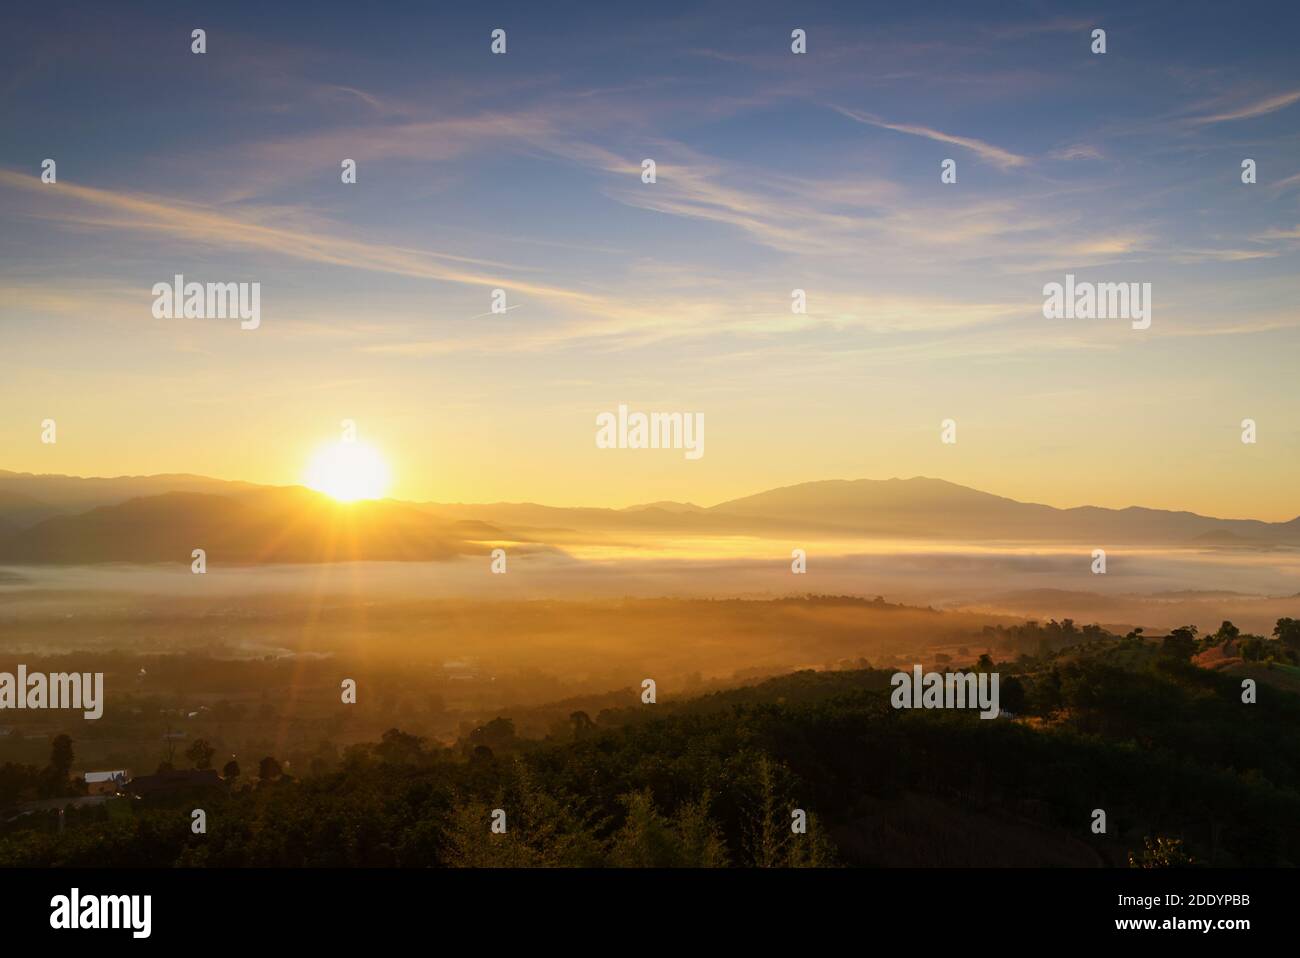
<point x="148" y="518"/>
<point x="932" y="508"/>
<point x="895" y="508"/>
<point x="1188" y="775"/>
<point x="18" y="509"/>
<point x="27" y="498"/>
<point x="266" y="525"/>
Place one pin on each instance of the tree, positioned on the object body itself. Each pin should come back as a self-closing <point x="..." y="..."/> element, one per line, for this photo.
<point x="200" y="753"/>
<point x="268" y="768"/>
<point x="1011" y="696"/>
<point x="1287" y="632"/>
<point x="326" y="758"/>
<point x="496" y="734"/>
<point x="53" y="780"/>
<point x="771" y="841"/>
<point x="767" y="837"/>
<point x="61" y="756"/>
<point x="17" y="782"/>
<point x="1256" y="648"/>
<point x="1161" y="853"/>
<point x="647" y="839"/>
<point x="231" y="771"/>
<point x="400" y="748"/>
<point x="1227" y="632"/>
<point x="581" y="723"/>
<point x="1180" y="644"/>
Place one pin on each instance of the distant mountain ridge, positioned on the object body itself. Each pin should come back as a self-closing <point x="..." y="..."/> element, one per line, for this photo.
<point x="244" y="526"/>
<point x="65" y="519"/>
<point x="905" y="508"/>
<point x="934" y="508"/>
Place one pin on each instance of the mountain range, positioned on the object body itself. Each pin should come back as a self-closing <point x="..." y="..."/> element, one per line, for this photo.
<point x="72" y="520"/>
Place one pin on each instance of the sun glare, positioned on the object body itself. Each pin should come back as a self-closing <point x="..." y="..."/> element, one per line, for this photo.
<point x="348" y="471"/>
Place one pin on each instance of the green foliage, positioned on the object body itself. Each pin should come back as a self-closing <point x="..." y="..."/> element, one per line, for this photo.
<point x="650" y="839"/>
<point x="1165" y="747"/>
<point x="200" y="753"/>
<point x="61" y="756"/>
<point x="1161" y="853"/>
<point x="771" y="841"/>
<point x="1287" y="632"/>
<point x="541" y="829"/>
<point x="1179" y="645"/>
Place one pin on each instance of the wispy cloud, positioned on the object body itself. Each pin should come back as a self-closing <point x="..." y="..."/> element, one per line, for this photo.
<point x="996" y="155"/>
<point x="86" y="206"/>
<point x="1076" y="151"/>
<point x="1286" y="184"/>
<point x="1262" y="107"/>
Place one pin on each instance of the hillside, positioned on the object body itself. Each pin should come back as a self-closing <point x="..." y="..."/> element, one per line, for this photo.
<point x="1185" y="772"/>
<point x="266" y="525"/>
<point x="57" y="519"/>
<point x="897" y="508"/>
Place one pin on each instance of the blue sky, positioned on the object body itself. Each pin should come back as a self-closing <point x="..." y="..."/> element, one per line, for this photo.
<point x="775" y="171"/>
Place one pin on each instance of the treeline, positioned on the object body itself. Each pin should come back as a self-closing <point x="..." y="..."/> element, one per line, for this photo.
<point x="1185" y="770"/>
<point x="1040" y="639"/>
<point x="399" y="802"/>
<point x="19" y="781"/>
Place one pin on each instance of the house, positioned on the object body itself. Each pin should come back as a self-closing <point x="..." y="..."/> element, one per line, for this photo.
<point x="106" y="783"/>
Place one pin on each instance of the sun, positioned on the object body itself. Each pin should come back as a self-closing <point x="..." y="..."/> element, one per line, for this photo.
<point x="348" y="471"/>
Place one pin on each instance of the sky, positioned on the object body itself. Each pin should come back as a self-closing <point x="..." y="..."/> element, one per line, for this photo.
<point x="775" y="171"/>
